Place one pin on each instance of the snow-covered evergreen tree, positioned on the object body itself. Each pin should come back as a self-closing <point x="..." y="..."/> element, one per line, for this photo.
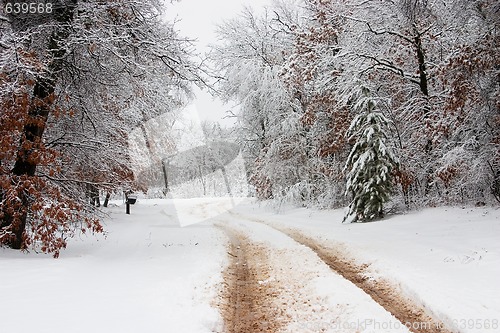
<point x="370" y="162"/>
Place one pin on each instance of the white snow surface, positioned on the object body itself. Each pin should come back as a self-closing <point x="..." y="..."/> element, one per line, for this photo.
<point x="160" y="269"/>
<point x="148" y="274"/>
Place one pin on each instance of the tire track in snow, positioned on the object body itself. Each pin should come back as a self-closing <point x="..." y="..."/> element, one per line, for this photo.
<point x="407" y="311"/>
<point x="381" y="291"/>
<point x="297" y="292"/>
<point x="247" y="305"/>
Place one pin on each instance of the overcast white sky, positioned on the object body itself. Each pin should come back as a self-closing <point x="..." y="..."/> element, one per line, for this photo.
<point x="199" y="17"/>
<point x="197" y="20"/>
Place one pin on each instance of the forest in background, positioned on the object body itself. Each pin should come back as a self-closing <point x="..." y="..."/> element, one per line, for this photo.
<point x="304" y="72"/>
<point x="376" y="105"/>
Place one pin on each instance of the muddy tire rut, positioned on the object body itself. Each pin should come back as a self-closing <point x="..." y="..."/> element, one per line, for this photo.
<point x="247" y="303"/>
<point x="408" y="312"/>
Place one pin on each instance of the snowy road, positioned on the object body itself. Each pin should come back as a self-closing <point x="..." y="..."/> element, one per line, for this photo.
<point x="281" y="282"/>
<point x="226" y="266"/>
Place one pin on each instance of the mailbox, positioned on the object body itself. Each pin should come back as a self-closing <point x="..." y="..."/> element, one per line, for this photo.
<point x="131" y="199"/>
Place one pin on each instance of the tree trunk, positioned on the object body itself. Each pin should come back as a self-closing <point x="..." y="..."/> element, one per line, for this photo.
<point x="93" y="193"/>
<point x="25" y="164"/>
<point x="165" y="176"/>
<point x="226" y="180"/>
<point x="424" y="88"/>
<point x="31" y="140"/>
<point x="106" y="200"/>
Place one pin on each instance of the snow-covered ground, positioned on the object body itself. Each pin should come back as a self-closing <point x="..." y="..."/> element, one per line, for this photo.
<point x="148" y="275"/>
<point x="447" y="258"/>
<point x="160" y="268"/>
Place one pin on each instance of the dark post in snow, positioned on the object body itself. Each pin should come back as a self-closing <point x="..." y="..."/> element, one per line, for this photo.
<point x="165" y="177"/>
<point x="127" y="203"/>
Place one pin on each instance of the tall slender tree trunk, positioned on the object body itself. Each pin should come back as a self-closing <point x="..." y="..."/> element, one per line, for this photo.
<point x="422" y="69"/>
<point x="424" y="89"/>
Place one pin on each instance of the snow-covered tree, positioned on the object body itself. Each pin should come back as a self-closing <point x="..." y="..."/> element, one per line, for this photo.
<point x="249" y="57"/>
<point x="432" y="60"/>
<point x="371" y="160"/>
<point x="310" y="73"/>
<point x="72" y="86"/>
<point x="468" y="169"/>
<point x="432" y="63"/>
